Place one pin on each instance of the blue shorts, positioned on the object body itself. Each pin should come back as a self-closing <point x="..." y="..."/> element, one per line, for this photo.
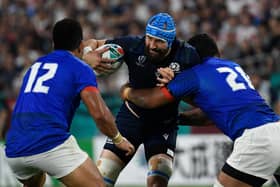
<point x="157" y="137"/>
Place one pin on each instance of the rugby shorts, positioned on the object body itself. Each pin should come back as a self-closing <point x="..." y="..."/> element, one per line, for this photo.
<point x="256" y="154"/>
<point x="157" y="138"/>
<point x="57" y="162"/>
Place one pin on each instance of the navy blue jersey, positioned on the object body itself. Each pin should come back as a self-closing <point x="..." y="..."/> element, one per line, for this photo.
<point x="225" y="93"/>
<point x="143" y="74"/>
<point x="48" y="98"/>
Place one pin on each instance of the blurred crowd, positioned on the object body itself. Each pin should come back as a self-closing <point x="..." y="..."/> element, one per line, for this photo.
<point x="247" y="31"/>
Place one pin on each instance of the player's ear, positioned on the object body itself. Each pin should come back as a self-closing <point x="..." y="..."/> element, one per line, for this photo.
<point x="81" y="46"/>
<point x="80" y="50"/>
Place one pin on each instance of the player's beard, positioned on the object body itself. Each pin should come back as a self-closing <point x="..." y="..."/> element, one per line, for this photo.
<point x="157" y="55"/>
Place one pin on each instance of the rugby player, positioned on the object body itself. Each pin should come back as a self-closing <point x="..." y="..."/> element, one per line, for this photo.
<point x="155" y="128"/>
<point x="39" y="141"/>
<point x="225" y="96"/>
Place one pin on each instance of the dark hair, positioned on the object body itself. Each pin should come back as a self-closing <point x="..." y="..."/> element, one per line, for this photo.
<point x="204" y="45"/>
<point x="67" y="34"/>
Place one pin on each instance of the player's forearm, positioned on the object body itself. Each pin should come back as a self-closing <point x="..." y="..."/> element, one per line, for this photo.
<point x="139" y="98"/>
<point x="105" y="123"/>
<point x="194" y="117"/>
<point x="107" y="126"/>
<point x="145" y="98"/>
<point x="102" y="116"/>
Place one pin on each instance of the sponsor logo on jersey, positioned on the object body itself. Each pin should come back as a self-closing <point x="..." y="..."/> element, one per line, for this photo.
<point x="170" y="152"/>
<point x="165" y="136"/>
<point x="109" y="141"/>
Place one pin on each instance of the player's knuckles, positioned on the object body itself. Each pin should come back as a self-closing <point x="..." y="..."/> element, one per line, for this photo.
<point x="107" y="60"/>
<point x="102" y="50"/>
<point x="106" y="69"/>
<point x="164" y="80"/>
<point x="90" y="42"/>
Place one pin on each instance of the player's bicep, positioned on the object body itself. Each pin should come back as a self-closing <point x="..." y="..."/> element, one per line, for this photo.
<point x="185" y="84"/>
<point x="94" y="102"/>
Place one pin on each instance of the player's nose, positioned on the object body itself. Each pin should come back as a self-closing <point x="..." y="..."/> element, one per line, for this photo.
<point x="151" y="44"/>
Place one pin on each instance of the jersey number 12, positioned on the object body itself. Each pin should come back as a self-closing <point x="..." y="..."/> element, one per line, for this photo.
<point x="38" y="81"/>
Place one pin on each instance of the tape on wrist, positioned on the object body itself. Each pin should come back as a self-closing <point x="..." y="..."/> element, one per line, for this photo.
<point x="117" y="139"/>
<point x="87" y="49"/>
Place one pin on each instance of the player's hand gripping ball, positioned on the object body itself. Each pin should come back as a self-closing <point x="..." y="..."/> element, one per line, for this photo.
<point x="115" y="52"/>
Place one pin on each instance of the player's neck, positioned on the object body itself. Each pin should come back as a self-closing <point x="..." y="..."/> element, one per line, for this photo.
<point x="76" y="53"/>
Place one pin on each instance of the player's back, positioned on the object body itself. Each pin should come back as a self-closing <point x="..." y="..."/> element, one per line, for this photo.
<point x="228" y="97"/>
<point x="46" y="104"/>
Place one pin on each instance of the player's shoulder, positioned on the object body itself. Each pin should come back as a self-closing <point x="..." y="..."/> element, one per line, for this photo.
<point x="67" y="59"/>
<point x="186" y="54"/>
<point x="219" y="61"/>
<point x="130" y="39"/>
<point x="185" y="45"/>
<point x="186" y="50"/>
<point x="129" y="42"/>
<point x="75" y="62"/>
<point x="80" y="64"/>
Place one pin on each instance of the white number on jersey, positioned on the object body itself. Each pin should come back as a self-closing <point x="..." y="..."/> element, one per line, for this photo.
<point x="33" y="77"/>
<point x="232" y="76"/>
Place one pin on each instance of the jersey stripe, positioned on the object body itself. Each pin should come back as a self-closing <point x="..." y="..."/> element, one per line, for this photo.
<point x="91" y="89"/>
<point x="167" y="94"/>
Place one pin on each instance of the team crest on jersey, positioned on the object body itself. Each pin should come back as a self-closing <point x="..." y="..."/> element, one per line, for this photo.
<point x="141" y="60"/>
<point x="175" y="66"/>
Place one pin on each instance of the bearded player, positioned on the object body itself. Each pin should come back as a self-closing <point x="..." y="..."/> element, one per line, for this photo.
<point x="155" y="128"/>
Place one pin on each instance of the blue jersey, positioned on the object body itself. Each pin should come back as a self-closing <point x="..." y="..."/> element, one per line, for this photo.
<point x="143" y="74"/>
<point x="226" y="95"/>
<point x="48" y="98"/>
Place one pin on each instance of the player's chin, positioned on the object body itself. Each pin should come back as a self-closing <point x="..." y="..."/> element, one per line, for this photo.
<point x="154" y="53"/>
<point x="154" y="56"/>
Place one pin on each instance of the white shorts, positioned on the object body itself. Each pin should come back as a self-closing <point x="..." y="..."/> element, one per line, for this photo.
<point x="257" y="151"/>
<point x="57" y="162"/>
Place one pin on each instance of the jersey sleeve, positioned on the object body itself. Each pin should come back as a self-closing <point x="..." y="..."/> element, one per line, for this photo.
<point x="194" y="57"/>
<point x="184" y="84"/>
<point x="126" y="42"/>
<point x="191" y="56"/>
<point x="85" y="77"/>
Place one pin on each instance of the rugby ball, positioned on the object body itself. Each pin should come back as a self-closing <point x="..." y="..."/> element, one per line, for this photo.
<point x="116" y="53"/>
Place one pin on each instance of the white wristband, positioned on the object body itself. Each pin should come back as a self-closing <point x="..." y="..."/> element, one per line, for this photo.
<point x="87" y="49"/>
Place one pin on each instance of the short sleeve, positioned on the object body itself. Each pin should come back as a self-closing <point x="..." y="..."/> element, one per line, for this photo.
<point x="189" y="56"/>
<point x="184" y="84"/>
<point x="194" y="58"/>
<point x="85" y="77"/>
